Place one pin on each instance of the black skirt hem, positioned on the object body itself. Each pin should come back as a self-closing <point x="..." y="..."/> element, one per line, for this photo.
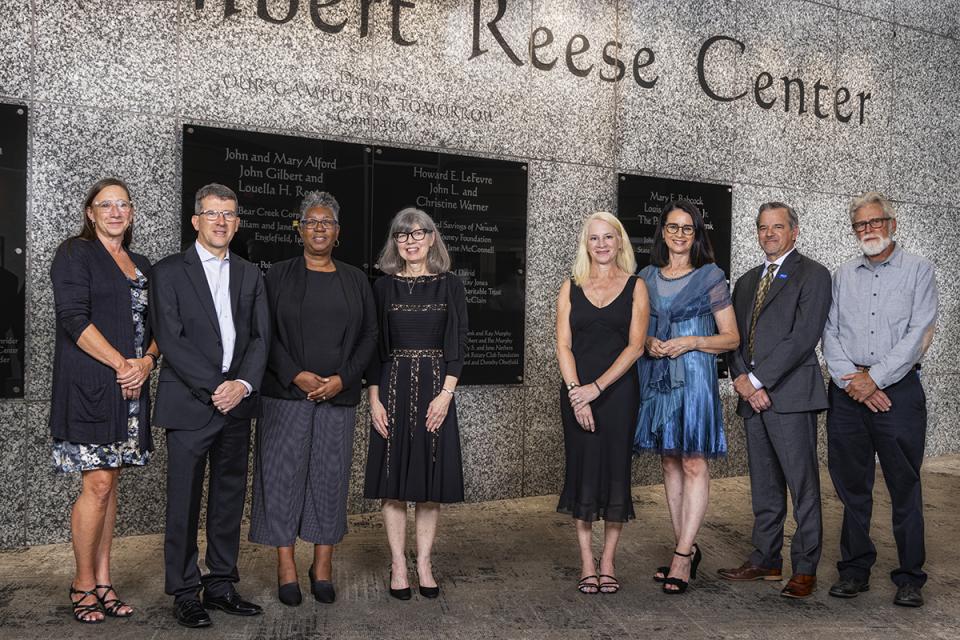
<point x="595" y="515"/>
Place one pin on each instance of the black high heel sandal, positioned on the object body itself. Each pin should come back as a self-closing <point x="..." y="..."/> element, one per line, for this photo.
<point x="80" y="611"/>
<point x="681" y="585"/>
<point x="112" y="606"/>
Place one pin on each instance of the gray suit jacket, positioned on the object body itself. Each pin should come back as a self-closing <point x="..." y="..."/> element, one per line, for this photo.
<point x="789" y="326"/>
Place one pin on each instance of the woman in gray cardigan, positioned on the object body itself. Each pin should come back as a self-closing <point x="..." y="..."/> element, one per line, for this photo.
<point x="324" y="332"/>
<point x="100" y="410"/>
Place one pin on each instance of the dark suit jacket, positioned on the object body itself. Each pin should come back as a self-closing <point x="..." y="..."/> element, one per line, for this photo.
<point x="188" y="334"/>
<point x="789" y="326"/>
<point x="286" y="284"/>
<point x="90" y="289"/>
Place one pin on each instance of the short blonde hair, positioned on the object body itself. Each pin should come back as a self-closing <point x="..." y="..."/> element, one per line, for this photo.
<point x="625" y="258"/>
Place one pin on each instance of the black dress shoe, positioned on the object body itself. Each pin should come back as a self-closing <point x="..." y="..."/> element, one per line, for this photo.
<point x="849" y="588"/>
<point x="289" y="594"/>
<point x="908" y="596"/>
<point x="322" y="590"/>
<point x="231" y="603"/>
<point x="429" y="592"/>
<point x="191" y="614"/>
<point x="399" y="594"/>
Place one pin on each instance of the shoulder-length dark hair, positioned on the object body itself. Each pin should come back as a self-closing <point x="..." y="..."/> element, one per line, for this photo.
<point x="701" y="252"/>
<point x="87" y="231"/>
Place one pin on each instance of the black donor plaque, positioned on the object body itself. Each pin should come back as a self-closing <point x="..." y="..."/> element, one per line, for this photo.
<point x="480" y="207"/>
<point x="641" y="198"/>
<point x="13" y="236"/>
<point x="271" y="174"/>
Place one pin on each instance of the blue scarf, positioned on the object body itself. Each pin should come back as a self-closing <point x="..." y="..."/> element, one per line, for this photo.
<point x="692" y="301"/>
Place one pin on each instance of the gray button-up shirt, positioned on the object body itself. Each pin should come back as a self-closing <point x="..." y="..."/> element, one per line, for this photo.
<point x="879" y="316"/>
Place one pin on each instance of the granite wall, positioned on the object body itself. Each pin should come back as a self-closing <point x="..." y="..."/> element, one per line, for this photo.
<point x="109" y="86"/>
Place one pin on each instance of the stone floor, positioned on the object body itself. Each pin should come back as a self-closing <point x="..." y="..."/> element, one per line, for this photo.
<point x="508" y="570"/>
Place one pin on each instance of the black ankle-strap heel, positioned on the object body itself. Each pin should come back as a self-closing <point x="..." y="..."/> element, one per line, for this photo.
<point x="681" y="585"/>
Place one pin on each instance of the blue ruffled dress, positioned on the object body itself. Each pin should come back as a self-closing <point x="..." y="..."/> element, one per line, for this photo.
<point x="680" y="410"/>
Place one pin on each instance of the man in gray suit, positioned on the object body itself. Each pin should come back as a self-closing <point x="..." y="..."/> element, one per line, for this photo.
<point x="781" y="308"/>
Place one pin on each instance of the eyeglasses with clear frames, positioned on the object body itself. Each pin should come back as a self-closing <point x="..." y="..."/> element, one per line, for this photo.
<point x="416" y="235"/>
<point x="212" y="216"/>
<point x="105" y="205"/>
<point x="674" y="228"/>
<point x="312" y="223"/>
<point x="874" y="223"/>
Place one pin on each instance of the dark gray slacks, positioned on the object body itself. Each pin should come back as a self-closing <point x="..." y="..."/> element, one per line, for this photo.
<point x="782" y="453"/>
<point x="302" y="473"/>
<point x="225" y="442"/>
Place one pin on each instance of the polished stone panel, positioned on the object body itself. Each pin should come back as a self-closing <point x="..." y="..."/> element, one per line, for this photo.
<point x="794" y="40"/>
<point x="248" y="72"/>
<point x="14" y="497"/>
<point x="925" y="154"/>
<point x="68" y="155"/>
<point x="941" y="17"/>
<point x="543" y="460"/>
<point x="491" y="439"/>
<point x="674" y="128"/>
<point x="16" y="54"/>
<point x="92" y="54"/>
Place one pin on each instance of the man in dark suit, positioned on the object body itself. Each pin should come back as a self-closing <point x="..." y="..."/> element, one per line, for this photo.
<point x="211" y="322"/>
<point x="781" y="307"/>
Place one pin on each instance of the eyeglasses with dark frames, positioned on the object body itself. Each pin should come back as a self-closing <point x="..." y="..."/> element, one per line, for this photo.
<point x="673" y="229"/>
<point x="874" y="223"/>
<point x="312" y="223"/>
<point x="417" y="235"/>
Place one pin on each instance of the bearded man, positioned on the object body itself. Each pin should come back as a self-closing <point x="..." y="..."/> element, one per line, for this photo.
<point x="880" y="323"/>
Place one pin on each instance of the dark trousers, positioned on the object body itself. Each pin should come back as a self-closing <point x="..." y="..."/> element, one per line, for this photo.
<point x="897" y="437"/>
<point x="225" y="442"/>
<point x="782" y="452"/>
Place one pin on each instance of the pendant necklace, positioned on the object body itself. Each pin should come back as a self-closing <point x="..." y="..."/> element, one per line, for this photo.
<point x="411" y="284"/>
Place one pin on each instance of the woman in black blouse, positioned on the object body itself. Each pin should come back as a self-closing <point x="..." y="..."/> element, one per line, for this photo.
<point x="100" y="410"/>
<point x="414" y="451"/>
<point x="324" y="332"/>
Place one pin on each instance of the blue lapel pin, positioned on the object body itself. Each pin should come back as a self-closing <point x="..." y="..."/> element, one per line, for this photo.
<point x="782" y="275"/>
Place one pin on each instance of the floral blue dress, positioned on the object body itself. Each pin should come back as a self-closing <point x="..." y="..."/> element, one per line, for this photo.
<point x="71" y="457"/>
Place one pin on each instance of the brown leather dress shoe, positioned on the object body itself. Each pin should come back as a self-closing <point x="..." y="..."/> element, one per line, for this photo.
<point x="748" y="571"/>
<point x="800" y="586"/>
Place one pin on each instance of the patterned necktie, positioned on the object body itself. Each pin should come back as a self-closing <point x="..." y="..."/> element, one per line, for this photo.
<point x="762" y="290"/>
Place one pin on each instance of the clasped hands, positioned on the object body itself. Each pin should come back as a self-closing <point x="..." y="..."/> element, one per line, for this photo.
<point x="862" y="388"/>
<point x="318" y="388"/>
<point x="758" y="399"/>
<point x="132" y="374"/>
<point x="580" y="399"/>
<point x="672" y="348"/>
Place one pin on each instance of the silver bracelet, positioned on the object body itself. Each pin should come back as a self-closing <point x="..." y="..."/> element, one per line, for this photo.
<point x="448" y="391"/>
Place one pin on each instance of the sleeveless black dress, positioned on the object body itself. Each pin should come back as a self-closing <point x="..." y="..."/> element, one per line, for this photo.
<point x="597" y="478"/>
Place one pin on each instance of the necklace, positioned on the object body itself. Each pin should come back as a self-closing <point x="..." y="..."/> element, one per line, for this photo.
<point x="412" y="283"/>
<point x="671" y="279"/>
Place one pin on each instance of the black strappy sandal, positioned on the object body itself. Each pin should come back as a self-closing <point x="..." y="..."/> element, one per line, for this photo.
<point x="80" y="611"/>
<point x="612" y="585"/>
<point x="112" y="606"/>
<point x="589" y="588"/>
<point x="681" y="585"/>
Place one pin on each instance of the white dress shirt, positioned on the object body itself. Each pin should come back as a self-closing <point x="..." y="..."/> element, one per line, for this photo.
<point x="766" y="267"/>
<point x="218" y="279"/>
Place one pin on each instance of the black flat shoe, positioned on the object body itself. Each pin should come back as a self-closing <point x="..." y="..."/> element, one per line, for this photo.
<point x="289" y="594"/>
<point x="322" y="590"/>
<point x="231" y="603"/>
<point x="849" y="588"/>
<point x="399" y="594"/>
<point x="429" y="592"/>
<point x="908" y="596"/>
<point x="190" y="613"/>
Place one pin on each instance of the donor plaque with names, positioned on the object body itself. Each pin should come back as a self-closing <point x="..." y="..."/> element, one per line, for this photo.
<point x="270" y="174"/>
<point x="480" y="207"/>
<point x="13" y="242"/>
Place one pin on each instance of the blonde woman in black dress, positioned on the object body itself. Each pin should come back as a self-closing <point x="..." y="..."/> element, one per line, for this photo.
<point x="414" y="453"/>
<point x="602" y="317"/>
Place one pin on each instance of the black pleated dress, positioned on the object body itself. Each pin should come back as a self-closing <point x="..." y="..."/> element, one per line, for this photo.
<point x="597" y="478"/>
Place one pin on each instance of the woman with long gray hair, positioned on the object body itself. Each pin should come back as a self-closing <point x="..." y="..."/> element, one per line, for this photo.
<point x="324" y="332"/>
<point x="414" y="453"/>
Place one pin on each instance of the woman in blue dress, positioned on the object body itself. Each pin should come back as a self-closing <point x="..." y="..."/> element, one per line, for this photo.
<point x="691" y="321"/>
